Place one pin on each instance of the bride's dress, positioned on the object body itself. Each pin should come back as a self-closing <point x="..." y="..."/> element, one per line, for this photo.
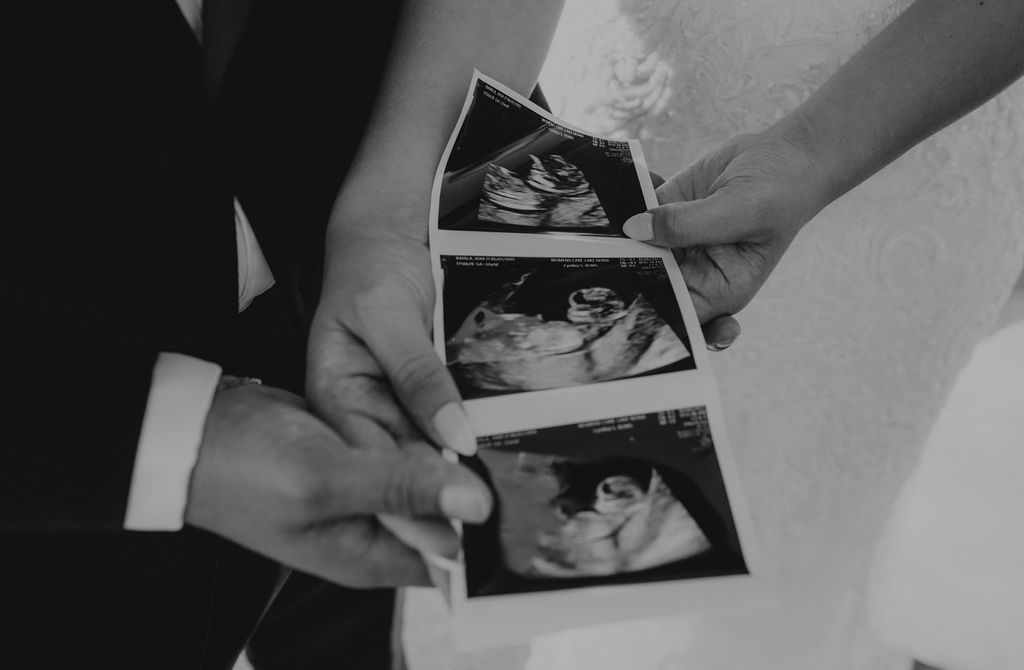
<point x="848" y="351"/>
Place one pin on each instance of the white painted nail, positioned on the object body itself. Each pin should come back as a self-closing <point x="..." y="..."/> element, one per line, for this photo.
<point x="452" y="426"/>
<point x="439" y="561"/>
<point x="721" y="345"/>
<point x="640" y="227"/>
<point x="442" y="581"/>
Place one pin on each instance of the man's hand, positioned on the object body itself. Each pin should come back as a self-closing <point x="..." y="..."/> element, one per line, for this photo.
<point x="275" y="479"/>
<point x="373" y="373"/>
<point x="729" y="217"/>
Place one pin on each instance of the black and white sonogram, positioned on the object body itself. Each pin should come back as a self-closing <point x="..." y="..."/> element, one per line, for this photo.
<point x="555" y="194"/>
<point x="618" y="516"/>
<point x="629" y="499"/>
<point x="527" y="324"/>
<point x="513" y="170"/>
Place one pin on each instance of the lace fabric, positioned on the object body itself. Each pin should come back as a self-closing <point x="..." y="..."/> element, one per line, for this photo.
<point x="851" y="347"/>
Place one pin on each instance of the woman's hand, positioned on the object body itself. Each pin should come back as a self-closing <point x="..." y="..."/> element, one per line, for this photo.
<point x="373" y="373"/>
<point x="729" y="217"/>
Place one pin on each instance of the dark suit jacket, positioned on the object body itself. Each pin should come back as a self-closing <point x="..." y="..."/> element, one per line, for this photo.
<point x="116" y="243"/>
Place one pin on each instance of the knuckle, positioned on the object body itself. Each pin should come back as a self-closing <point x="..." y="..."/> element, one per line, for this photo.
<point x="309" y="500"/>
<point x="347" y="548"/>
<point x="303" y="485"/>
<point x="358" y="539"/>
<point x="675" y="228"/>
<point x="420" y="372"/>
<point x="400" y="492"/>
<point x="352" y="392"/>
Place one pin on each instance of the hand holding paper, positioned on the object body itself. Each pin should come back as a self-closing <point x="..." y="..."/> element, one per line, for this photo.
<point x="729" y="217"/>
<point x="275" y="479"/>
<point x="373" y="371"/>
<point x="581" y="364"/>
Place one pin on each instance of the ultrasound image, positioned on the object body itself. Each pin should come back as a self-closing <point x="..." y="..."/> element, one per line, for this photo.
<point x="555" y="194"/>
<point x="555" y="324"/>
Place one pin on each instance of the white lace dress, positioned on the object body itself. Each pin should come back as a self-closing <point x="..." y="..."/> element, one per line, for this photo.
<point x="849" y="350"/>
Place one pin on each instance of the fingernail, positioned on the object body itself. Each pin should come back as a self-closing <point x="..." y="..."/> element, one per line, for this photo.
<point x="721" y="346"/>
<point x="640" y="227"/>
<point x="441" y="580"/>
<point x="467" y="503"/>
<point x="452" y="426"/>
<point x="441" y="570"/>
<point x="439" y="561"/>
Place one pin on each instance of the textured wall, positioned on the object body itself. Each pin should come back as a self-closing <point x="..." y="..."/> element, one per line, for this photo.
<point x="852" y="345"/>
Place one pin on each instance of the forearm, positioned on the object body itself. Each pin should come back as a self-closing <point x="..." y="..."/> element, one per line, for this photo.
<point x="436" y="48"/>
<point x="935" y="63"/>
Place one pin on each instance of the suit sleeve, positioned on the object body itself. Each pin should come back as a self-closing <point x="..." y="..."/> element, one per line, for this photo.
<point x="115" y="243"/>
<point x="73" y="404"/>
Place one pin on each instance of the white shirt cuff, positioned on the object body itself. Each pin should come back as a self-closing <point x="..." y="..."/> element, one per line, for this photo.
<point x="172" y="430"/>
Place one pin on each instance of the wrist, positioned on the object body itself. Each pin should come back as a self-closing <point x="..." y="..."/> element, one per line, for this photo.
<point x="358" y="235"/>
<point x="825" y="175"/>
<point x="383" y="218"/>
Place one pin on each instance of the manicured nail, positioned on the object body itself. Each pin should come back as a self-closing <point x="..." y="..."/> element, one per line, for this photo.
<point x="441" y="580"/>
<point x="439" y="561"/>
<point x="452" y="426"/>
<point x="466" y="503"/>
<point x="640" y="227"/>
<point x="721" y="346"/>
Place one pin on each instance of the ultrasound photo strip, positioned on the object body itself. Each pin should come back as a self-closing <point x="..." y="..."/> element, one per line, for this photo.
<point x="579" y="355"/>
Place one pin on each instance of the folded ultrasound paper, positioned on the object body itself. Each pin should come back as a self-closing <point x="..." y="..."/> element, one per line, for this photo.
<point x="584" y="373"/>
